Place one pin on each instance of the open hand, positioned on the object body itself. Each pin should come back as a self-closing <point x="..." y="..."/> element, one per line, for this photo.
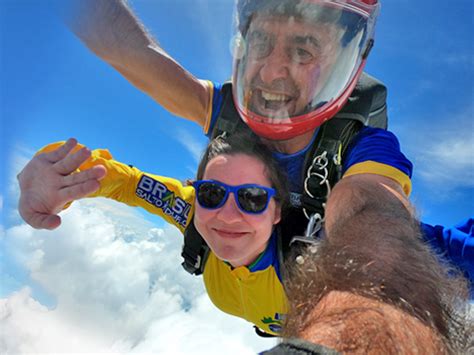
<point x="50" y="181"/>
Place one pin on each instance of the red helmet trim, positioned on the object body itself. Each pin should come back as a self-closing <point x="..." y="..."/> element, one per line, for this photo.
<point x="363" y="7"/>
<point x="299" y="124"/>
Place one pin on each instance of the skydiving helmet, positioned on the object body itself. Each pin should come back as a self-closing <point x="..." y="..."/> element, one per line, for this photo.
<point x="296" y="62"/>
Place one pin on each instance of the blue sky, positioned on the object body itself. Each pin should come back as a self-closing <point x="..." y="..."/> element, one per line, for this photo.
<point x="52" y="88"/>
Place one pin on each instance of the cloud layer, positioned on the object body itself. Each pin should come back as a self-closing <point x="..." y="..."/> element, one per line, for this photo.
<point x="118" y="288"/>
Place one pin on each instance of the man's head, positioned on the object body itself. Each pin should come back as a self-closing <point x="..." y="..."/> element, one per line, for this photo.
<point x="297" y="61"/>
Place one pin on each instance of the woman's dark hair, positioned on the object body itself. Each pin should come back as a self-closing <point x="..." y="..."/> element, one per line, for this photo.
<point x="252" y="146"/>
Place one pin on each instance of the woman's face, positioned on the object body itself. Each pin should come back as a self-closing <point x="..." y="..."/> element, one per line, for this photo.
<point x="233" y="235"/>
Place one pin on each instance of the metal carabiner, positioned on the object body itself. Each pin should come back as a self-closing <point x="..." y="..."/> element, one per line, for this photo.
<point x="314" y="226"/>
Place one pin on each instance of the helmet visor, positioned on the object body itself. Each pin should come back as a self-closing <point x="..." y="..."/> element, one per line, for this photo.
<point x="296" y="57"/>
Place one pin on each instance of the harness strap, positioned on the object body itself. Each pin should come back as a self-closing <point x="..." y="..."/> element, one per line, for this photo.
<point x="323" y="163"/>
<point x="195" y="250"/>
<point x="229" y="119"/>
<point x="367" y="103"/>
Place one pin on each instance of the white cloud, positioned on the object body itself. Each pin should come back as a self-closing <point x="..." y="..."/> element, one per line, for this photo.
<point x="119" y="287"/>
<point x="201" y="331"/>
<point x="195" y="146"/>
<point x="461" y="59"/>
<point x="29" y="327"/>
<point x="443" y="155"/>
<point x="449" y="160"/>
<point x="19" y="157"/>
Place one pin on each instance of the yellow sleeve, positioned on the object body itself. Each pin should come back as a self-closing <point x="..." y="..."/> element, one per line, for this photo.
<point x="210" y="105"/>
<point x="373" y="167"/>
<point x="163" y="196"/>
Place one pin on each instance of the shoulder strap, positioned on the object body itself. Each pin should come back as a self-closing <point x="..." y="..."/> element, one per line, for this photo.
<point x="323" y="162"/>
<point x="367" y="103"/>
<point x="366" y="106"/>
<point x="228" y="120"/>
<point x="195" y="250"/>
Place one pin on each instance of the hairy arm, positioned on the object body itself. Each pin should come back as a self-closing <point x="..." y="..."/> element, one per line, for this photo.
<point x="373" y="285"/>
<point x="351" y="195"/>
<point x="112" y="31"/>
<point x="352" y="323"/>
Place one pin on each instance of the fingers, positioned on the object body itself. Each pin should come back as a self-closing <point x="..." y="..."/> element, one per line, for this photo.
<point x="71" y="162"/>
<point x="51" y="222"/>
<point x="78" y="191"/>
<point x="95" y="173"/>
<point x="62" y="151"/>
<point x="43" y="221"/>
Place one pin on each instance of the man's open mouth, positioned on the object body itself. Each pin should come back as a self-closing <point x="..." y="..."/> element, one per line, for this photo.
<point x="270" y="104"/>
<point x="274" y="101"/>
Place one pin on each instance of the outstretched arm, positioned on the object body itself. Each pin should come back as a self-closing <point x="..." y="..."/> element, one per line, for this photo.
<point x="63" y="172"/>
<point x="47" y="184"/>
<point x="350" y="196"/>
<point x="112" y="31"/>
<point x="373" y="285"/>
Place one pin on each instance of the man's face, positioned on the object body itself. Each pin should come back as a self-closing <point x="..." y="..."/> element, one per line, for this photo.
<point x="287" y="63"/>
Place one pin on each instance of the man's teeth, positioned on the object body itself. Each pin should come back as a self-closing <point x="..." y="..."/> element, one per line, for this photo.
<point x="274" y="97"/>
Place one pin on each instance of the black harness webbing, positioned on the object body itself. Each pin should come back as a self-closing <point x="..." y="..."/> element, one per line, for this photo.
<point x="195" y="250"/>
<point x="229" y="119"/>
<point x="332" y="142"/>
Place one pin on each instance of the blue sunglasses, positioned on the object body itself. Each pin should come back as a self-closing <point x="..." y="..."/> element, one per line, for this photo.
<point x="250" y="198"/>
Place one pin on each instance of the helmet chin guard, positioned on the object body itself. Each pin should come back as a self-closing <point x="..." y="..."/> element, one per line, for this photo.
<point x="296" y="62"/>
